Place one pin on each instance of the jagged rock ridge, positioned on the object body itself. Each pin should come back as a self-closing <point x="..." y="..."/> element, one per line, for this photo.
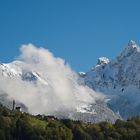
<point x="119" y="80"/>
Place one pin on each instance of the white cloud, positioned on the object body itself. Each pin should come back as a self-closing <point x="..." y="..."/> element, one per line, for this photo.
<point x="62" y="92"/>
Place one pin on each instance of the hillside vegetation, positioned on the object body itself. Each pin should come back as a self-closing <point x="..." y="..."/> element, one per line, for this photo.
<point x="22" y="126"/>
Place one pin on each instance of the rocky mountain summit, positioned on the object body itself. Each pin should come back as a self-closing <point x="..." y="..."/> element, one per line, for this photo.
<point x="119" y="80"/>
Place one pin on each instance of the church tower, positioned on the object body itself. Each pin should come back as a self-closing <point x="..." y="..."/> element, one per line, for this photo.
<point x="14" y="105"/>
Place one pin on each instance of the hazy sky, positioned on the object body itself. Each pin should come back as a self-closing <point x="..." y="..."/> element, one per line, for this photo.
<point x="79" y="31"/>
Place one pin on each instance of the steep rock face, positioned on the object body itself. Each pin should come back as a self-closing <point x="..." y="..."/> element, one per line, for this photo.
<point x="119" y="80"/>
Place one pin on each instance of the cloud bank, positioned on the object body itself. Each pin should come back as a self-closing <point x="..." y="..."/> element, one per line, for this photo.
<point x="59" y="89"/>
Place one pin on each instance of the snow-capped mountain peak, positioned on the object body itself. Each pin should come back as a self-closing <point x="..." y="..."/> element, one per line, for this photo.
<point x="119" y="80"/>
<point x="131" y="50"/>
<point x="102" y="61"/>
<point x="17" y="69"/>
<point x="132" y="44"/>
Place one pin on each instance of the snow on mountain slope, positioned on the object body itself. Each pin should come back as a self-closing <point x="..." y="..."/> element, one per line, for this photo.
<point x="119" y="80"/>
<point x="85" y="112"/>
<point x="16" y="68"/>
<point x="43" y="84"/>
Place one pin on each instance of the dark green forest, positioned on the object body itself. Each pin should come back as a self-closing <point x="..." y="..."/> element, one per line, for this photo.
<point x="15" y="125"/>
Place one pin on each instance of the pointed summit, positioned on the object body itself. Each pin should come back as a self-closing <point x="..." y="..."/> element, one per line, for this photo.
<point x="119" y="80"/>
<point x="132" y="44"/>
<point x="102" y="61"/>
<point x="131" y="50"/>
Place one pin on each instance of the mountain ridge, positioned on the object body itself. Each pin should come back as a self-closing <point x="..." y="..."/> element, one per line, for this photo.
<point x="116" y="82"/>
<point x="119" y="80"/>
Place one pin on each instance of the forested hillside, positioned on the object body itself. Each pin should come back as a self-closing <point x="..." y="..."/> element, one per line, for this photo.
<point x="15" y="125"/>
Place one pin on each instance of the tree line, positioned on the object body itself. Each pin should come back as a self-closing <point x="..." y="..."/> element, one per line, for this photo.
<point x="15" y="125"/>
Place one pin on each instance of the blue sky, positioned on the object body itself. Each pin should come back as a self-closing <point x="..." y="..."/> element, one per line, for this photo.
<point x="79" y="31"/>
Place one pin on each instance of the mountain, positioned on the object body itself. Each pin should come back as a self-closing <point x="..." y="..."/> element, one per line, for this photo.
<point x="16" y="69"/>
<point x="18" y="72"/>
<point x="118" y="80"/>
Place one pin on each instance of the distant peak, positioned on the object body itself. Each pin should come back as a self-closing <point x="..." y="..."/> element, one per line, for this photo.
<point x="102" y="61"/>
<point x="132" y="43"/>
<point x="131" y="49"/>
<point x="132" y="46"/>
